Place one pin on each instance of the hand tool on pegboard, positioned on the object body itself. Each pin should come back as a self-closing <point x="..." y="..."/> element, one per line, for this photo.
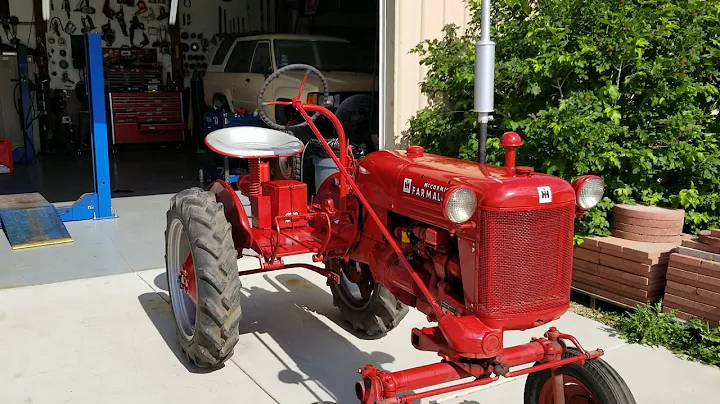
<point x="55" y="25"/>
<point x="135" y="24"/>
<point x="142" y="8"/>
<point x="70" y="28"/>
<point x="66" y="7"/>
<point x="108" y="33"/>
<point x="220" y="18"/>
<point x="108" y="11"/>
<point x="163" y="14"/>
<point x="87" y="23"/>
<point x="120" y="16"/>
<point x="83" y="6"/>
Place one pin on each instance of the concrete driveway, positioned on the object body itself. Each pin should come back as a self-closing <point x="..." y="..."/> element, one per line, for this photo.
<point x="112" y="339"/>
<point x="89" y="322"/>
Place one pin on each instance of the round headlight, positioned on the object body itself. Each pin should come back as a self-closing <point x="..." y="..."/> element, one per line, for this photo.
<point x="460" y="205"/>
<point x="589" y="192"/>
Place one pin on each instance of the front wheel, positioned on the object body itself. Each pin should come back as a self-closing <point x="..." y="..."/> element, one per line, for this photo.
<point x="595" y="382"/>
<point x="202" y="275"/>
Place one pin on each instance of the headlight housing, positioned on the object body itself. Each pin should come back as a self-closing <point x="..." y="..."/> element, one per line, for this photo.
<point x="459" y="204"/>
<point x="589" y="191"/>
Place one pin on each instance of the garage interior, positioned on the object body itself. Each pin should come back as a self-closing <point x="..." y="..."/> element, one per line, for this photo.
<point x="156" y="148"/>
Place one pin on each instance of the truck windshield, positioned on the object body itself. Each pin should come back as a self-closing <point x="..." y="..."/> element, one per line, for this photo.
<point x="323" y="55"/>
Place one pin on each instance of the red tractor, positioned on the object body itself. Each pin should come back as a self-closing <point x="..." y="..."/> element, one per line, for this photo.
<point x="479" y="249"/>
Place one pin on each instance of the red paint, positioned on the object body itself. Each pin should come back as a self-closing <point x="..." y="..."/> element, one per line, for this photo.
<point x="234" y="212"/>
<point x="507" y="268"/>
<point x="188" y="281"/>
<point x="572" y="391"/>
<point x="146" y="117"/>
<point x="287" y="198"/>
<point x="510" y="141"/>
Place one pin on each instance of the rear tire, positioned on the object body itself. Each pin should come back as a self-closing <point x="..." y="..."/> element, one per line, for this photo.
<point x="220" y="103"/>
<point x="378" y="314"/>
<point x="217" y="314"/>
<point x="286" y="168"/>
<point x="601" y="383"/>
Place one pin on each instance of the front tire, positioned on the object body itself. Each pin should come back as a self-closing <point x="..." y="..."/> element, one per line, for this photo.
<point x="209" y="329"/>
<point x="594" y="382"/>
<point x="373" y="312"/>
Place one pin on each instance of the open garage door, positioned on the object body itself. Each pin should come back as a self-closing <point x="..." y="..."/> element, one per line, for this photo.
<point x="247" y="41"/>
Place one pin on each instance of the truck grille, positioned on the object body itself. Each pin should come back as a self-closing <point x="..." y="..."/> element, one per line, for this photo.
<point x="525" y="260"/>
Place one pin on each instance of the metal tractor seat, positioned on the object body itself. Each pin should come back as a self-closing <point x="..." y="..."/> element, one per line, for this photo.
<point x="252" y="142"/>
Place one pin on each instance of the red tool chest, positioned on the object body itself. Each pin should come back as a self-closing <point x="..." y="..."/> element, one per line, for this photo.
<point x="146" y="117"/>
<point x="289" y="198"/>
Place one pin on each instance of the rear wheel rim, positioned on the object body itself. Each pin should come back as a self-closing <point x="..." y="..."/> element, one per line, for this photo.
<point x="183" y="306"/>
<point x="576" y="392"/>
<point x="285" y="167"/>
<point x="357" y="295"/>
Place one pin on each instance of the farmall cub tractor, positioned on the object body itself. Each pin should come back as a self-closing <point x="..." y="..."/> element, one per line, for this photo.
<point x="479" y="249"/>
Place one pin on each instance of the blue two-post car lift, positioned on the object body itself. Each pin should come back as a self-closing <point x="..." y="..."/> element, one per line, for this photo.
<point x="15" y="210"/>
<point x="98" y="204"/>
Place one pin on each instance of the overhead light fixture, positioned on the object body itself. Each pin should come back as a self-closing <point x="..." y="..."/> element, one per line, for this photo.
<point x="46" y="10"/>
<point x="173" y="12"/>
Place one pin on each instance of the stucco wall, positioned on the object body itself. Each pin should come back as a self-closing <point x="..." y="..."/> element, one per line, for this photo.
<point x="414" y="21"/>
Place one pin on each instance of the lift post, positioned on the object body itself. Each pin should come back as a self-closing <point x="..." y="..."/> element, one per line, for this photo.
<point x="96" y="205"/>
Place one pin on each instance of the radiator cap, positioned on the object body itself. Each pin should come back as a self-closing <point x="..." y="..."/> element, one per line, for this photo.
<point x="415" y="151"/>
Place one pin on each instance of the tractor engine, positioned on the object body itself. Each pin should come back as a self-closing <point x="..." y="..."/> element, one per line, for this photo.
<point x="492" y="242"/>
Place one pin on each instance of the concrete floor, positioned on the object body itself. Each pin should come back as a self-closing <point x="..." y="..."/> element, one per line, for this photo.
<point x="90" y="319"/>
<point x="152" y="170"/>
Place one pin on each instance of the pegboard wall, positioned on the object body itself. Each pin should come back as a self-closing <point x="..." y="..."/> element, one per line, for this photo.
<point x="199" y="20"/>
<point x="73" y="17"/>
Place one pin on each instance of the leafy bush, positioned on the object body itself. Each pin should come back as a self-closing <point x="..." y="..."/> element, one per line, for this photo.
<point x="648" y="325"/>
<point x="624" y="89"/>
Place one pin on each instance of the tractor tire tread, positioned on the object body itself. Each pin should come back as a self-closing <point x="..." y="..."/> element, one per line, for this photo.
<point x="383" y="313"/>
<point x="218" y="284"/>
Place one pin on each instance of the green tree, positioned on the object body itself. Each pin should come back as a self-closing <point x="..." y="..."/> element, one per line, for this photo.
<point x="626" y="89"/>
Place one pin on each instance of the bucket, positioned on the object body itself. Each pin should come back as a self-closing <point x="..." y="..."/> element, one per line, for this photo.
<point x="324" y="167"/>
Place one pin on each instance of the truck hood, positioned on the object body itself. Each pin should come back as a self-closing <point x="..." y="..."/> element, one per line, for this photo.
<point x="337" y="81"/>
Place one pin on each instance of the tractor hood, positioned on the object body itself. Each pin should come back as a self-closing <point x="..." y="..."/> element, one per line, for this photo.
<point x="415" y="185"/>
<point x="338" y="81"/>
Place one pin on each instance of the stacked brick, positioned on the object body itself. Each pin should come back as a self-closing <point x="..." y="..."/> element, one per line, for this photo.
<point x="693" y="279"/>
<point x="623" y="271"/>
<point x="648" y="224"/>
<point x="630" y="266"/>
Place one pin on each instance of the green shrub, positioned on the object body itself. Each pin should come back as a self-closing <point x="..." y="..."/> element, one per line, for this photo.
<point x="627" y="90"/>
<point x="649" y="325"/>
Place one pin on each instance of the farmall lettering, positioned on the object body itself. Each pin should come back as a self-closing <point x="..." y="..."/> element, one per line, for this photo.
<point x="428" y="190"/>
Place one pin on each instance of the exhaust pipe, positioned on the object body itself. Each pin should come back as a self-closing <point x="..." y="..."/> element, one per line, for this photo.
<point x="484" y="79"/>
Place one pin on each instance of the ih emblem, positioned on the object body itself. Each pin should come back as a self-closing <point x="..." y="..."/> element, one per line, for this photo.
<point x="545" y="194"/>
<point x="407" y="185"/>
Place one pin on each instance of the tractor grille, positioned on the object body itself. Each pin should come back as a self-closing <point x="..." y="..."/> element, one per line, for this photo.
<point x="525" y="260"/>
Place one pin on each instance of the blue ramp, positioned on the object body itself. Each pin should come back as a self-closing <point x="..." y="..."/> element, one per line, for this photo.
<point x="30" y="220"/>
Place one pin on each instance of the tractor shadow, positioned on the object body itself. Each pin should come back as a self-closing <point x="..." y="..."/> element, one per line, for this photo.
<point x="286" y="318"/>
<point x="290" y="316"/>
<point x="157" y="308"/>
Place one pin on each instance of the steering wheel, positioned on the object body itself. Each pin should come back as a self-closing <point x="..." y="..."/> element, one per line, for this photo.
<point x="261" y="104"/>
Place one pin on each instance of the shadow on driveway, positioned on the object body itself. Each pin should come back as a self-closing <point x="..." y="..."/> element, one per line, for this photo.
<point x="290" y="315"/>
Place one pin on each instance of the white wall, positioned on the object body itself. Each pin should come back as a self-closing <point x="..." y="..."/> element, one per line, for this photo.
<point x="23" y="10"/>
<point x="411" y="22"/>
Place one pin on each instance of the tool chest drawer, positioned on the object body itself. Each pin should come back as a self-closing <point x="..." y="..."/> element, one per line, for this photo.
<point x="146" y="117"/>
